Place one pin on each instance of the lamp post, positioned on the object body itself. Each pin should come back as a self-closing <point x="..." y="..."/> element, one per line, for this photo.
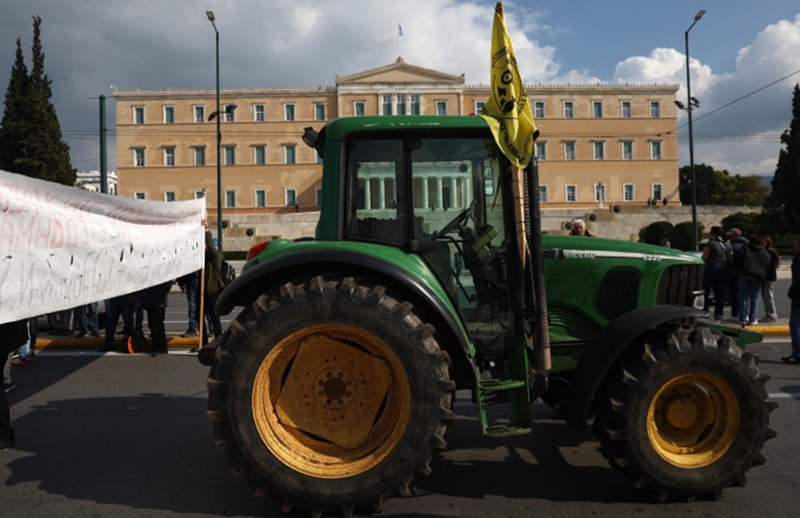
<point x="692" y="103"/>
<point x="217" y="114"/>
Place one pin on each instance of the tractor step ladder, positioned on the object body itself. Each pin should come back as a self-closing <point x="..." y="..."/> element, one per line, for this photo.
<point x="516" y="392"/>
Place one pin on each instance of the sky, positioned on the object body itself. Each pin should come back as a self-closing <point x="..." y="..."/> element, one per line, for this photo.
<point x="737" y="49"/>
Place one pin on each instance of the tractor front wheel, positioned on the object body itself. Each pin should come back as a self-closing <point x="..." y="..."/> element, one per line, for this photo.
<point x="330" y="394"/>
<point x="684" y="414"/>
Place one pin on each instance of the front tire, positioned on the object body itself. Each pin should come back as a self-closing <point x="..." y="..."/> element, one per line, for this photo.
<point x="330" y="394"/>
<point x="684" y="414"/>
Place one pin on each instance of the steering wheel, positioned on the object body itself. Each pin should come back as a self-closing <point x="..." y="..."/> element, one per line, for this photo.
<point x="463" y="216"/>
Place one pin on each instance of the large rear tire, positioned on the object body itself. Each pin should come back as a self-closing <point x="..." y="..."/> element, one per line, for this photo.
<point x="330" y="394"/>
<point x="684" y="414"/>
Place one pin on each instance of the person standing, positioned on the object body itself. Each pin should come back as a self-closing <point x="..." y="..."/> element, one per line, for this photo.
<point x="737" y="241"/>
<point x="190" y="283"/>
<point x="768" y="287"/>
<point x="716" y="256"/>
<point x="579" y="229"/>
<point x="154" y="301"/>
<point x="213" y="286"/>
<point x="752" y="262"/>
<point x="794" y="295"/>
<point x="12" y="336"/>
<point x="121" y="305"/>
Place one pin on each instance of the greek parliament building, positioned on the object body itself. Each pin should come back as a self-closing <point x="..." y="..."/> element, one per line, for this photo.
<point x="599" y="144"/>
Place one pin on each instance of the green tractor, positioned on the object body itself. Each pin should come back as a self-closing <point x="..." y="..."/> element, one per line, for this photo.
<point x="334" y="386"/>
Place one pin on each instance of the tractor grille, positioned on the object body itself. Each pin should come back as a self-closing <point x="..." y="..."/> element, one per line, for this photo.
<point x="677" y="284"/>
<point x="618" y="292"/>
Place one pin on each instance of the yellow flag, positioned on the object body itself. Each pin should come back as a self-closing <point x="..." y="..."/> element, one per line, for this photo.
<point x="507" y="111"/>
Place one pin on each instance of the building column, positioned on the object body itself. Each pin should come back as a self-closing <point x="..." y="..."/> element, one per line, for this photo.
<point x="367" y="193"/>
<point x="425" y="199"/>
<point x="382" y="193"/>
<point x="439" y="199"/>
<point x="454" y="192"/>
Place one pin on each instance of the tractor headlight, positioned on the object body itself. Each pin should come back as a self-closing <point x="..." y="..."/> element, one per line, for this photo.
<point x="698" y="299"/>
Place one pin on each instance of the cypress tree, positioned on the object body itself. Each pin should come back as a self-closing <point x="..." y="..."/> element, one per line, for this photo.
<point x="782" y="207"/>
<point x="32" y="142"/>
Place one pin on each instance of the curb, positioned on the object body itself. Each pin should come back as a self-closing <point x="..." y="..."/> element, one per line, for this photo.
<point x="81" y="344"/>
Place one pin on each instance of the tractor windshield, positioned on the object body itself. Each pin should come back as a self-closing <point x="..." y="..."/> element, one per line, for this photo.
<point x="445" y="191"/>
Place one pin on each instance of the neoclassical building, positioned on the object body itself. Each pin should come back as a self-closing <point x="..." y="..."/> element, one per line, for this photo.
<point x="598" y="144"/>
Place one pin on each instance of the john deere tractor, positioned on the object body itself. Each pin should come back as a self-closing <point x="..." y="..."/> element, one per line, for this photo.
<point x="333" y="388"/>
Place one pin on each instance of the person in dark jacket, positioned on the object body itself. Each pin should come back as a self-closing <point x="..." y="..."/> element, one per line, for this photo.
<point x="12" y="336"/>
<point x="213" y="286"/>
<point x="154" y="301"/>
<point x="794" y="316"/>
<point x="752" y="262"/>
<point x="716" y="255"/>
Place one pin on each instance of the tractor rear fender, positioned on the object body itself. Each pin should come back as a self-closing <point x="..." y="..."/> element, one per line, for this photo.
<point x="247" y="287"/>
<point x="604" y="350"/>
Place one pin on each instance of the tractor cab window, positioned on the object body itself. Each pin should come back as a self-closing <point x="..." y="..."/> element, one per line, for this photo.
<point x="457" y="201"/>
<point x="374" y="202"/>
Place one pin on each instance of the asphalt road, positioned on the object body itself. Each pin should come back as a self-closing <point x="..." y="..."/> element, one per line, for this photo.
<point x="127" y="436"/>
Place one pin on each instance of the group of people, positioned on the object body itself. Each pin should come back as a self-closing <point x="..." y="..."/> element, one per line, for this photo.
<point x="746" y="268"/>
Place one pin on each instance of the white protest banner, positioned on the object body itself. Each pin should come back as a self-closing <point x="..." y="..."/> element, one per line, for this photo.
<point x="61" y="247"/>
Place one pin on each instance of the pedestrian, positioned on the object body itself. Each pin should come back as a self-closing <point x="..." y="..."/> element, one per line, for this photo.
<point x="86" y="317"/>
<point x="752" y="262"/>
<point x="665" y="242"/>
<point x="794" y="295"/>
<point x="154" y="301"/>
<point x="716" y="256"/>
<point x="64" y="317"/>
<point x="121" y="305"/>
<point x="190" y="284"/>
<point x="768" y="287"/>
<point x="213" y="286"/>
<point x="12" y="336"/>
<point x="737" y="241"/>
<point x="579" y="228"/>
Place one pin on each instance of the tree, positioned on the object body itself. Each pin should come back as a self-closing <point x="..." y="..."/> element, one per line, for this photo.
<point x="781" y="206"/>
<point x="720" y="188"/>
<point x="654" y="232"/>
<point x="31" y="142"/>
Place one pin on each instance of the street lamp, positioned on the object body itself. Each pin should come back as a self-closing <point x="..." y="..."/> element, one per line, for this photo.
<point x="211" y="18"/>
<point x="692" y="103"/>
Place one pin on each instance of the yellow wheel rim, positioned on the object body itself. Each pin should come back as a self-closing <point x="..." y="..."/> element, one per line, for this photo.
<point x="331" y="401"/>
<point x="693" y="420"/>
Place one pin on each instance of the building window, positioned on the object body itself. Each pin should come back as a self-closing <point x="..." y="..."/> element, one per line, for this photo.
<point x="538" y="109"/>
<point x="200" y="155"/>
<point x="386" y="104"/>
<point x="400" y="104"/>
<point x="288" y="112"/>
<point x="599" y="150"/>
<point x="199" y="194"/>
<point x="358" y="108"/>
<point x="627" y="150"/>
<point x="291" y="197"/>
<point x="318" y="197"/>
<point x="261" y="198"/>
<point x="317" y="158"/>
<point x="319" y="111"/>
<point x="230" y="155"/>
<point x="542" y="193"/>
<point x="139" y="195"/>
<point x="597" y="109"/>
<point x="627" y="192"/>
<point x="290" y="154"/>
<point x="541" y="150"/>
<point x="569" y="150"/>
<point x="655" y="109"/>
<point x="229" y="111"/>
<point x="441" y="107"/>
<point x="169" y="156"/>
<point x="572" y="192"/>
<point x="479" y="106"/>
<point x="625" y="109"/>
<point x="169" y="196"/>
<point x="599" y="193"/>
<point x="138" y="114"/>
<point x="230" y="199"/>
<point x="655" y="150"/>
<point x="258" y="112"/>
<point x="569" y="109"/>
<point x="138" y="157"/>
<point x="169" y="115"/>
<point x="199" y="113"/>
<point x="260" y="155"/>
<point x="415" y="104"/>
<point x="657" y="195"/>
